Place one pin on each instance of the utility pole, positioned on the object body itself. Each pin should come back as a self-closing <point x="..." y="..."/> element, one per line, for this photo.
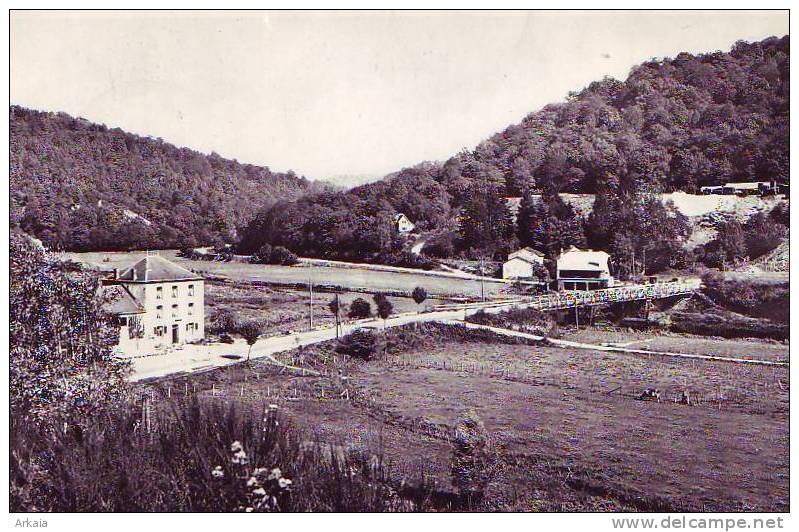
<point x="482" y="281"/>
<point x="337" y="320"/>
<point x="310" y="293"/>
<point x="576" y="316"/>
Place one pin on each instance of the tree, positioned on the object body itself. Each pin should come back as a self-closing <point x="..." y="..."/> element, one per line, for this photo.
<point x="419" y="295"/>
<point x="485" y="221"/>
<point x="61" y="341"/>
<point x="763" y="234"/>
<point x="263" y="255"/>
<point x="250" y="330"/>
<point x="360" y="308"/>
<point x="335" y="307"/>
<point x="384" y="307"/>
<point x="359" y="343"/>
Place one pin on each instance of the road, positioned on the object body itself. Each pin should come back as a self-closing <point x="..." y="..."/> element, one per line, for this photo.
<point x="191" y="358"/>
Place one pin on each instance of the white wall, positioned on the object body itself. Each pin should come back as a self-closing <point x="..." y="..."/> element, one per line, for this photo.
<point x="517" y="268"/>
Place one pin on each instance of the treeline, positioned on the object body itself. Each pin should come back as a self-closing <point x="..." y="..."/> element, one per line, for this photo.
<point x="675" y="124"/>
<point x="72" y="181"/>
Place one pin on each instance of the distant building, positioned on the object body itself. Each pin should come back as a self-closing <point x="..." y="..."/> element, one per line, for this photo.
<point x="157" y="304"/>
<point x="402" y="223"/>
<point x="749" y="188"/>
<point x="583" y="269"/>
<point x="521" y="264"/>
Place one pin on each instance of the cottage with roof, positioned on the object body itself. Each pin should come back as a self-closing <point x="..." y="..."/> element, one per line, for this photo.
<point x="403" y="223"/>
<point x="521" y="264"/>
<point x="157" y="304"/>
<point x="583" y="269"/>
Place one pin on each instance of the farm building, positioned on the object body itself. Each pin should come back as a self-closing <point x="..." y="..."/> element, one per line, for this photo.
<point x="402" y="223"/>
<point x="521" y="264"/>
<point x="583" y="269"/>
<point x="157" y="304"/>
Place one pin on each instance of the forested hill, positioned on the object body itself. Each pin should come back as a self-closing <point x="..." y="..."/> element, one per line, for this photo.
<point x="680" y="123"/>
<point x="674" y="124"/>
<point x="82" y="186"/>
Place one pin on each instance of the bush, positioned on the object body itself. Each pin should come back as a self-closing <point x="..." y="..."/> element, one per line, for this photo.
<point x="359" y="344"/>
<point x="474" y="459"/>
<point x="221" y="322"/>
<point x="198" y="457"/>
<point x="267" y="254"/>
<point x="419" y="295"/>
<point x="360" y="308"/>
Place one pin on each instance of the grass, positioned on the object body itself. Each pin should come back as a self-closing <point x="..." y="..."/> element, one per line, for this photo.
<point x="569" y="431"/>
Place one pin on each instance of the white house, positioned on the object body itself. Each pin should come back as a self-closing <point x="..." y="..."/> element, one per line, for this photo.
<point x="583" y="269"/>
<point x="157" y="304"/>
<point x="402" y="223"/>
<point x="521" y="263"/>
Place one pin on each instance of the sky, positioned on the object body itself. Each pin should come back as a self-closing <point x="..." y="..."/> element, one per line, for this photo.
<point x="341" y="95"/>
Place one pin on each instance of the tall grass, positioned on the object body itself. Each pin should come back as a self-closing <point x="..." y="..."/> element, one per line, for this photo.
<point x="193" y="456"/>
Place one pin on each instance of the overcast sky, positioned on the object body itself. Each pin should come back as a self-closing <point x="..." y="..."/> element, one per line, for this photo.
<point x="330" y="94"/>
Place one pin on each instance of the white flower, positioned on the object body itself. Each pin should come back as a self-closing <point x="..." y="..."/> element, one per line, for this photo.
<point x="272" y="406"/>
<point x="259" y="491"/>
<point x="284" y="483"/>
<point x="248" y="509"/>
<point x="235" y="446"/>
<point x="252" y="481"/>
<point x="275" y="474"/>
<point x="240" y="458"/>
<point x="217" y="472"/>
<point x="259" y="471"/>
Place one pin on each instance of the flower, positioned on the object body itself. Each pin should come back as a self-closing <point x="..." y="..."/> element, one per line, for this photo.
<point x="235" y="446"/>
<point x="248" y="509"/>
<point x="252" y="481"/>
<point x="259" y="471"/>
<point x="217" y="472"/>
<point x="240" y="457"/>
<point x="259" y="491"/>
<point x="284" y="483"/>
<point x="275" y="474"/>
<point x="272" y="406"/>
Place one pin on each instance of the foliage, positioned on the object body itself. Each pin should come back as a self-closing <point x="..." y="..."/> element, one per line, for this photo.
<point x="360" y="343"/>
<point x="61" y="341"/>
<point x="549" y="225"/>
<point x="82" y="186"/>
<point x="763" y="234"/>
<point x="675" y="124"/>
<point x="419" y="295"/>
<point x="360" y="308"/>
<point x="771" y="301"/>
<point x="267" y="254"/>
<point x="201" y="456"/>
<point x="474" y="458"/>
<point x="384" y="306"/>
<point x="222" y="321"/>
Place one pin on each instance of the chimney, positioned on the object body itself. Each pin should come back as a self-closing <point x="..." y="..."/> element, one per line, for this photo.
<point x="116" y="273"/>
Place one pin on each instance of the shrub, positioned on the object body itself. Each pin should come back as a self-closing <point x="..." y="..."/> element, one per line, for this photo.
<point x="474" y="459"/>
<point x="199" y="456"/>
<point x="221" y="322"/>
<point x="384" y="306"/>
<point x="419" y="295"/>
<point x="360" y="308"/>
<point x="359" y="344"/>
<point x="267" y="254"/>
<point x="263" y="255"/>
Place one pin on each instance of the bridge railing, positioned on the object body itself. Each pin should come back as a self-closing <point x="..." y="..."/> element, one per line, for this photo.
<point x="605" y="296"/>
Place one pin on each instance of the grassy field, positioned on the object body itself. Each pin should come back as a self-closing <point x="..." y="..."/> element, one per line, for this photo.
<point x="368" y="280"/>
<point x="570" y="431"/>
<point x="284" y="309"/>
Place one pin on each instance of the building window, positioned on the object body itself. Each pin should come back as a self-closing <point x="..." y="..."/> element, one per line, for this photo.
<point x="174" y="311"/>
<point x="160" y="330"/>
<point x="189" y="327"/>
<point x="191" y="290"/>
<point x="159" y="292"/>
<point x="159" y="312"/>
<point x="191" y="308"/>
<point x="174" y="290"/>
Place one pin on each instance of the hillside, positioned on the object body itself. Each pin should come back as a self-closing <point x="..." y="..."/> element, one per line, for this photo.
<point x="81" y="186"/>
<point x="673" y="125"/>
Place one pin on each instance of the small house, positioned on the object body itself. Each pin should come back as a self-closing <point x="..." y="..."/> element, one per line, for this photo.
<point x="157" y="304"/>
<point x="521" y="264"/>
<point x="403" y="224"/>
<point x="583" y="269"/>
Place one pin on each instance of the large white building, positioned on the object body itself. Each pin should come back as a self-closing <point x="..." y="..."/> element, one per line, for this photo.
<point x="157" y="304"/>
<point x="521" y="264"/>
<point x="583" y="269"/>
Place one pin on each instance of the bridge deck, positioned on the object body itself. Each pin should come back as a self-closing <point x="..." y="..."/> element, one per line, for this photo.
<point x="575" y="298"/>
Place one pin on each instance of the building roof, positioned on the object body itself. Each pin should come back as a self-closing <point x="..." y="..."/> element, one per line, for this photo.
<point x="120" y="300"/>
<point x="527" y="254"/>
<point x="154" y="268"/>
<point x="583" y="259"/>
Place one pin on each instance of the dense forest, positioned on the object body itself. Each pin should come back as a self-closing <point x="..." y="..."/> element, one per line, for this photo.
<point x="674" y="124"/>
<point x="82" y="186"/>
